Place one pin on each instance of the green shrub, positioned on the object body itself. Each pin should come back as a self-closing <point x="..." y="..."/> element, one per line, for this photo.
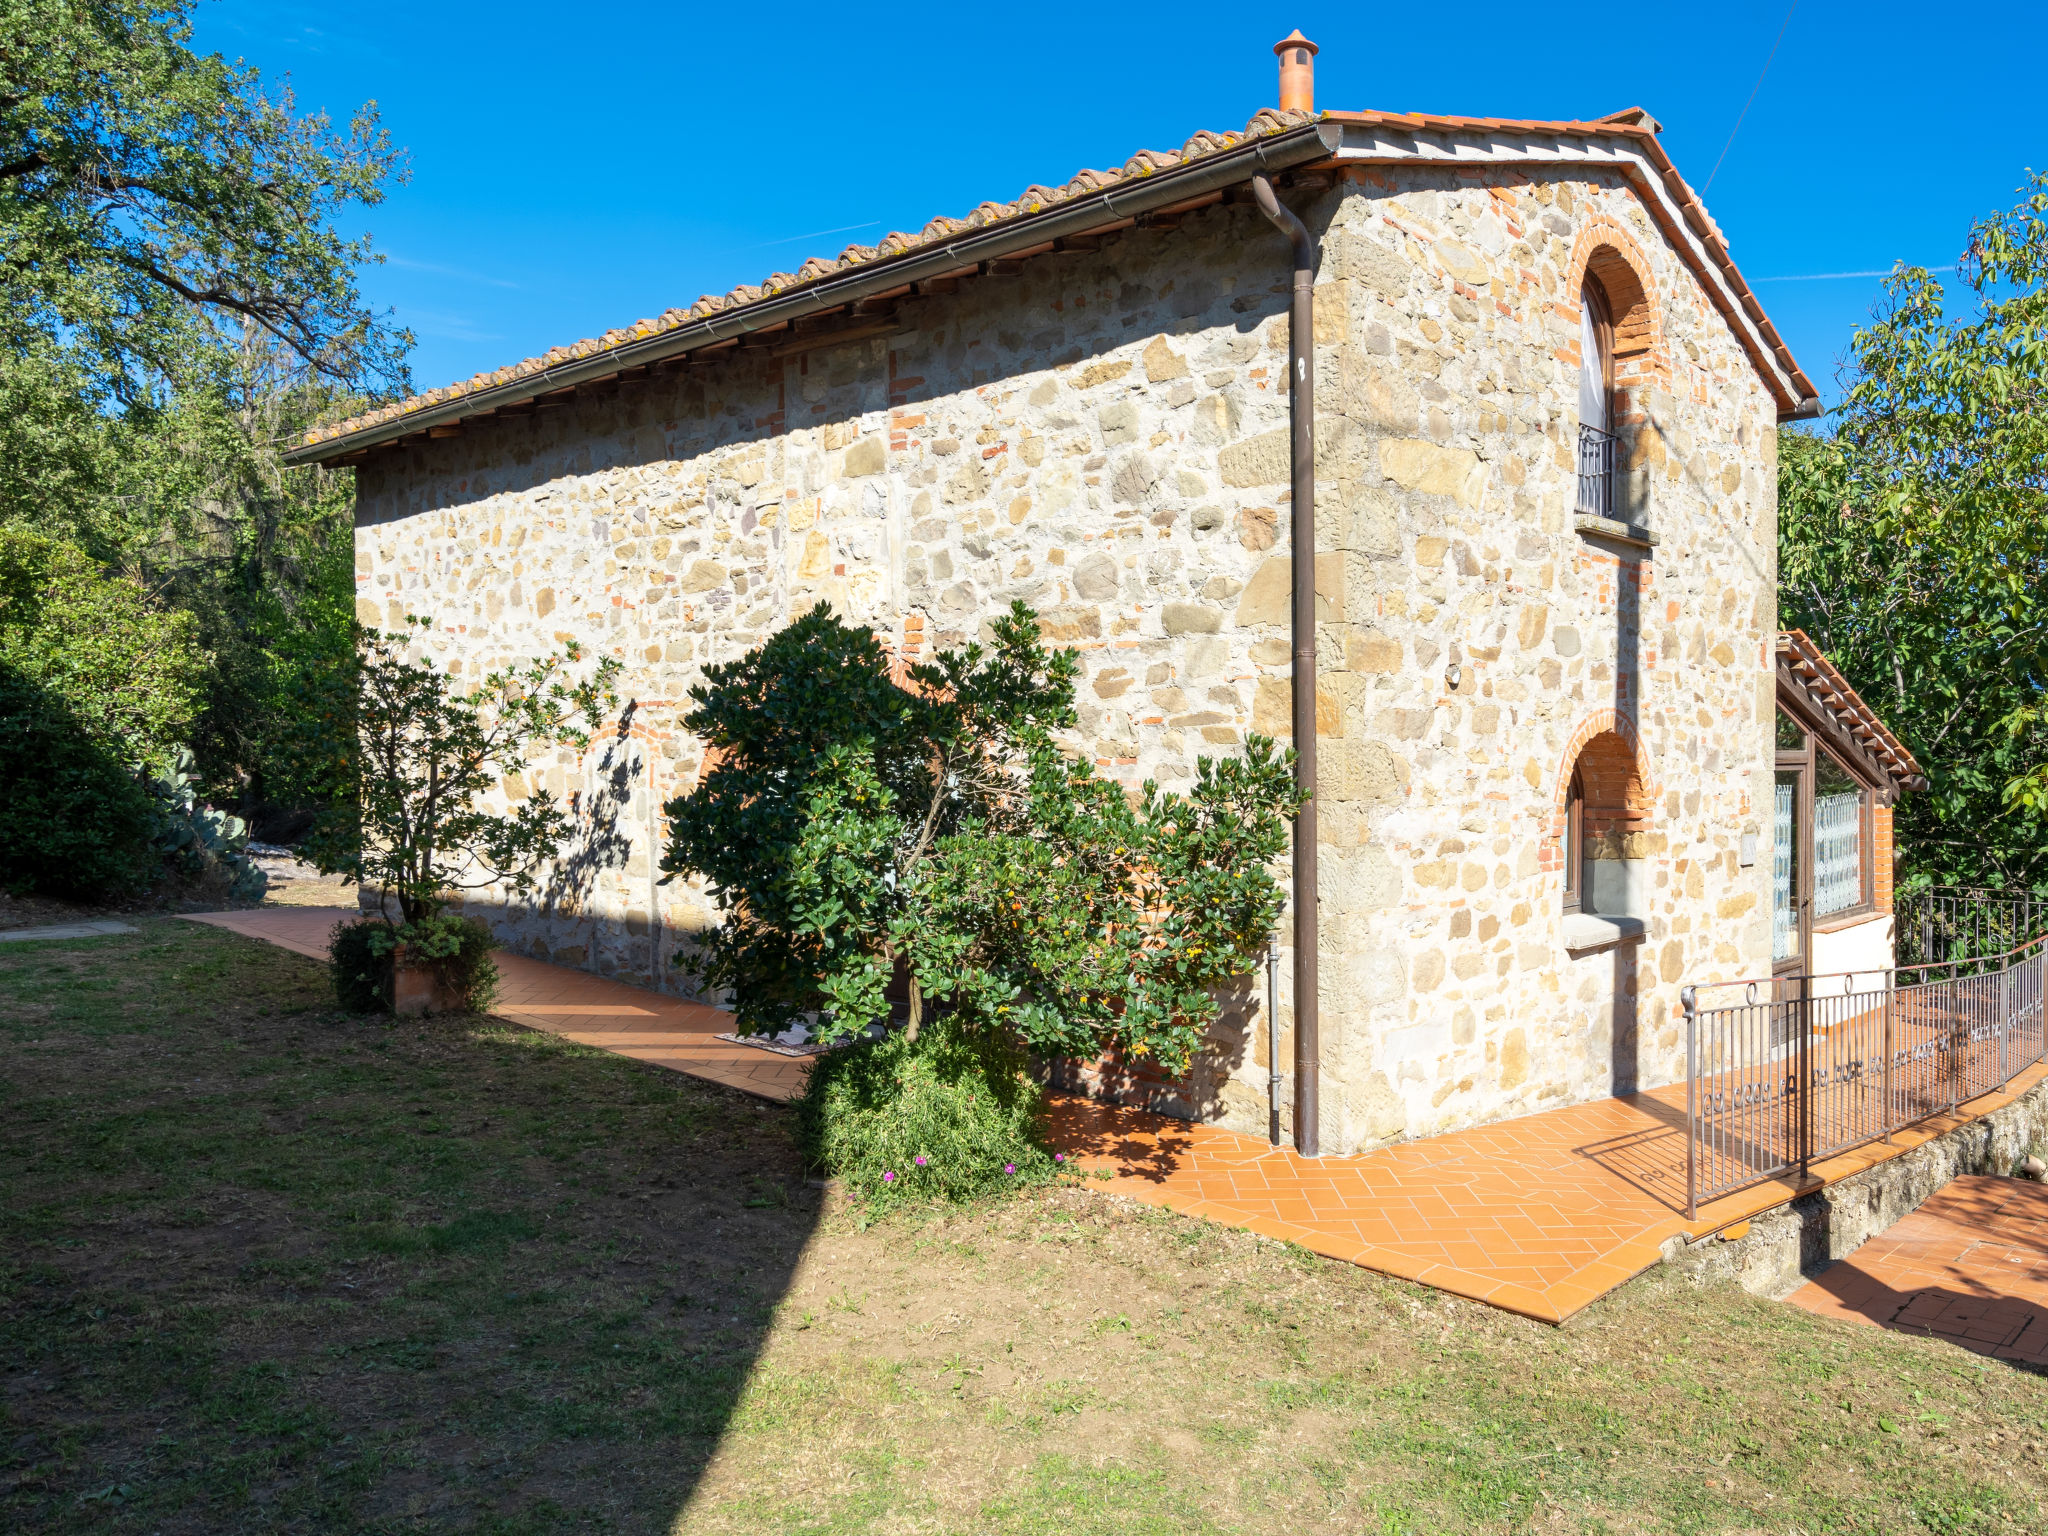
<point x="127" y="667"/>
<point x="458" y="949"/>
<point x="96" y="678"/>
<point x="949" y="1115"/>
<point x="74" y="820"/>
<point x="362" y="975"/>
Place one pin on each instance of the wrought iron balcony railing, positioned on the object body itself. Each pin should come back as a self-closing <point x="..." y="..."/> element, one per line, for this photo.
<point x="1959" y="923"/>
<point x="1596" y="471"/>
<point x="1784" y="1070"/>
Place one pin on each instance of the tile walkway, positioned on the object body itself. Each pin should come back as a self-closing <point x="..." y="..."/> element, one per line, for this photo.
<point x="1540" y="1215"/>
<point x="591" y="1010"/>
<point x="1969" y="1266"/>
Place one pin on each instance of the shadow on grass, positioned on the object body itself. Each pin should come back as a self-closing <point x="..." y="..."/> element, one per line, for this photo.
<point x="265" y="1266"/>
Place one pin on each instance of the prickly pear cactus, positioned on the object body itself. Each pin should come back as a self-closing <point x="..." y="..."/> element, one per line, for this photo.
<point x="197" y="841"/>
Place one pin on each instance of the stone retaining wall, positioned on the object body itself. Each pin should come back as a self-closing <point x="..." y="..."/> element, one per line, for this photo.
<point x="1785" y="1248"/>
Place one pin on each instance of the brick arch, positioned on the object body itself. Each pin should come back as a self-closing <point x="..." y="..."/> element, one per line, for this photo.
<point x="1620" y="795"/>
<point x="1609" y="255"/>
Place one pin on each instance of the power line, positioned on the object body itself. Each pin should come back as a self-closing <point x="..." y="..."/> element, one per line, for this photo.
<point x="1752" y="97"/>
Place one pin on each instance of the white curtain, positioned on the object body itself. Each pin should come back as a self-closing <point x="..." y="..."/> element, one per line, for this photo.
<point x="1592" y="377"/>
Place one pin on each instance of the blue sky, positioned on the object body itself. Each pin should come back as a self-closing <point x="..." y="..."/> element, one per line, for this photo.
<point x="575" y="168"/>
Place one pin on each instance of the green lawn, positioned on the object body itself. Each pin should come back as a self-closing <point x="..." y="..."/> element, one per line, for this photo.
<point x="267" y="1268"/>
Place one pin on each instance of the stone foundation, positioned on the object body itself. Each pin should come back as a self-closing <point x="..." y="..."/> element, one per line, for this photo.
<point x="1785" y="1248"/>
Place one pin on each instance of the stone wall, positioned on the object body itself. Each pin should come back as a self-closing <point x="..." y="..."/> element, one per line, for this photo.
<point x="1104" y="437"/>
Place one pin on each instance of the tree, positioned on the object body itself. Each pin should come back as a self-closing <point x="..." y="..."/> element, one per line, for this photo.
<point x="261" y="555"/>
<point x="126" y="669"/>
<point x="1913" y="545"/>
<point x="405" y="756"/>
<point x="98" y="685"/>
<point x="150" y="196"/>
<point x="855" y="827"/>
<point x="178" y="302"/>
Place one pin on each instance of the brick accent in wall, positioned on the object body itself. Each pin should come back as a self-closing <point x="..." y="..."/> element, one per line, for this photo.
<point x="1881" y="820"/>
<point x="1616" y="776"/>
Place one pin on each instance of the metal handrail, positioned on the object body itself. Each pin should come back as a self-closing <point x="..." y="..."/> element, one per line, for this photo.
<point x="1952" y="921"/>
<point x="1873" y="970"/>
<point x="1773" y="1084"/>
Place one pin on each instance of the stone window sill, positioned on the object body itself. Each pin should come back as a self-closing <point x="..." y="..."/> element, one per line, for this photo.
<point x="1609" y="528"/>
<point x="1585" y="934"/>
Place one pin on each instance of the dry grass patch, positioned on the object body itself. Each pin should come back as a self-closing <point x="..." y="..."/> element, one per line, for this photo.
<point x="265" y="1268"/>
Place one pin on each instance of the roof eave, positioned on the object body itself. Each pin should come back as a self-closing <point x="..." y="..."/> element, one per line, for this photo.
<point x="1415" y="138"/>
<point x="1081" y="215"/>
<point x="1827" y="691"/>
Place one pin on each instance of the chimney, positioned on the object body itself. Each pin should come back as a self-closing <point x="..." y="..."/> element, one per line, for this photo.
<point x="1297" y="72"/>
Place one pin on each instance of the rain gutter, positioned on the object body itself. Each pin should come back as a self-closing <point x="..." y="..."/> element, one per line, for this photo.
<point x="1301" y="534"/>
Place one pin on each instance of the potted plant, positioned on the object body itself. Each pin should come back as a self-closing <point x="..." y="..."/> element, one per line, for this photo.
<point x="406" y="758"/>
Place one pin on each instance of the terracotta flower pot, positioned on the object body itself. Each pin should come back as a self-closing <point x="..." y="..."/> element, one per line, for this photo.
<point x="417" y="987"/>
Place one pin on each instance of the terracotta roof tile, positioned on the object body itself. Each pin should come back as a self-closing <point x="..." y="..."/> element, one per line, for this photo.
<point x="1268" y="121"/>
<point x="1847" y="706"/>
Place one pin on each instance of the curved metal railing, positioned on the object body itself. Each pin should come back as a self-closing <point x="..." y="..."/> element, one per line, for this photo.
<point x="1794" y="1069"/>
<point x="1939" y="922"/>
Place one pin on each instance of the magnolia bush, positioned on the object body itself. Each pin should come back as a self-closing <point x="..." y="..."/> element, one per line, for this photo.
<point x="929" y="836"/>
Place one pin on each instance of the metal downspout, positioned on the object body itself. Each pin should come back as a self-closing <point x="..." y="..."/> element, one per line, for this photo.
<point x="1301" y="532"/>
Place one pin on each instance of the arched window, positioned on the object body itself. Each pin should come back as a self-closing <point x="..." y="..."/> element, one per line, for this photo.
<point x="1596" y="397"/>
<point x="1606" y="814"/>
<point x="1574" y="835"/>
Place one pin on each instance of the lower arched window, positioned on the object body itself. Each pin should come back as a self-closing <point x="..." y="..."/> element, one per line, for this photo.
<point x="1604" y="831"/>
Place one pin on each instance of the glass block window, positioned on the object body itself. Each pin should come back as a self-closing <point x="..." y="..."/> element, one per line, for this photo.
<point x="1784" y="849"/>
<point x="1838" y="841"/>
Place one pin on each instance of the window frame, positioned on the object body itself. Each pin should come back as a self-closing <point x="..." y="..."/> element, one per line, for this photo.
<point x="1575" y="844"/>
<point x="1806" y="757"/>
<point x="1865" y="903"/>
<point x="1594" y="298"/>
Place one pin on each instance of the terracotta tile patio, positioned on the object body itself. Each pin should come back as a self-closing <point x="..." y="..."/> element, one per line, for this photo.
<point x="1970" y="1266"/>
<point x="1540" y="1215"/>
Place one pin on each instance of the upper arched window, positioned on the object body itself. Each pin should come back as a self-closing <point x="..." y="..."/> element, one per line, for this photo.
<point x="1596" y="397"/>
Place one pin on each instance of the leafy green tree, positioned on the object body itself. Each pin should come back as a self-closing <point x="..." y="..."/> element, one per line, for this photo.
<point x="127" y="669"/>
<point x="98" y="685"/>
<point x="261" y="555"/>
<point x="853" y="827"/>
<point x="1913" y="545"/>
<point x="150" y="195"/>
<point x="404" y="785"/>
<point x="57" y="449"/>
<point x="178" y="301"/>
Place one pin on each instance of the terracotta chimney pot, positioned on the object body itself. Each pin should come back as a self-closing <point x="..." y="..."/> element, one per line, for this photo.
<point x="1297" y="72"/>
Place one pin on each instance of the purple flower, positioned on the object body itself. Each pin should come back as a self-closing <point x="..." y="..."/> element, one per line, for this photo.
<point x="1009" y="1167"/>
<point x="889" y="1176"/>
<point x="1059" y="1157"/>
<point x="920" y="1159"/>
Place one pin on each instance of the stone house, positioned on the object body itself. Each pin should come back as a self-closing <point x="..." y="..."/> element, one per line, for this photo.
<point x="1543" y="520"/>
